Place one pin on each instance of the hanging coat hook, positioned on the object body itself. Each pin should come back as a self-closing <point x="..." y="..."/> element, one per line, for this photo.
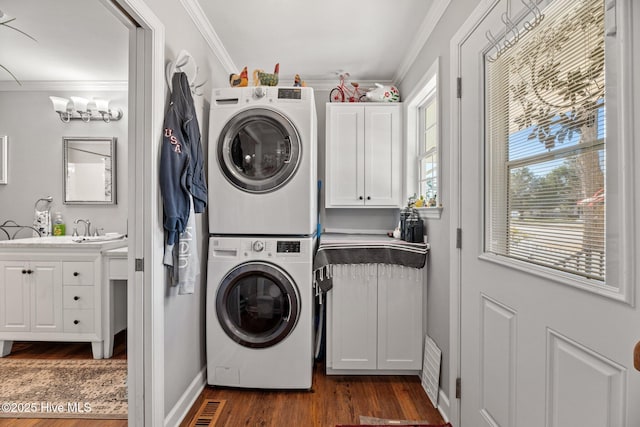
<point x="494" y="45"/>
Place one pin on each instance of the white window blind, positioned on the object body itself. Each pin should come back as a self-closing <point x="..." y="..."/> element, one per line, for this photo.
<point x="546" y="132"/>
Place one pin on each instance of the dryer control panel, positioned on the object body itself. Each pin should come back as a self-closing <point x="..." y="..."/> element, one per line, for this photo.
<point x="288" y="246"/>
<point x="225" y="249"/>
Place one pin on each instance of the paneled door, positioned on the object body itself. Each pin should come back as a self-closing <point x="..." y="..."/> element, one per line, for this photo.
<point x="546" y="339"/>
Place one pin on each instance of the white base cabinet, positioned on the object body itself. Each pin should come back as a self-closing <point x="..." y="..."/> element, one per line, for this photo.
<point x="375" y="320"/>
<point x="53" y="294"/>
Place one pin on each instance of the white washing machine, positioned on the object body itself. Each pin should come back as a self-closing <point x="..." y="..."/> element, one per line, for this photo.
<point x="263" y="161"/>
<point x="259" y="312"/>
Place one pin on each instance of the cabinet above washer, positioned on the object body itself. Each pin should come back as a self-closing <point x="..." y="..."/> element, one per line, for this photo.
<point x="363" y="156"/>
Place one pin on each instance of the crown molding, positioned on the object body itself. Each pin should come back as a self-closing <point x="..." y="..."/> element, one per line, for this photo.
<point x="63" y="85"/>
<point x="436" y="11"/>
<point x="203" y="24"/>
<point x="330" y="84"/>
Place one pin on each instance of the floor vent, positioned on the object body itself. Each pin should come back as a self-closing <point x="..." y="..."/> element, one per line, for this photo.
<point x="208" y="413"/>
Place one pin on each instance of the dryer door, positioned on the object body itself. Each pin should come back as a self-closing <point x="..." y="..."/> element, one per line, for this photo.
<point x="257" y="304"/>
<point x="259" y="150"/>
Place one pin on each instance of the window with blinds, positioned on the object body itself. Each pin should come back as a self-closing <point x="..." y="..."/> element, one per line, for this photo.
<point x="428" y="150"/>
<point x="546" y="133"/>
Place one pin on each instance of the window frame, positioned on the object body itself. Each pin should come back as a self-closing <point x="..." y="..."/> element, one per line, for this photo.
<point x="621" y="223"/>
<point x="427" y="89"/>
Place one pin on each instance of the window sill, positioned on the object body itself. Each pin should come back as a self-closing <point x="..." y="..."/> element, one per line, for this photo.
<point x="430" y="213"/>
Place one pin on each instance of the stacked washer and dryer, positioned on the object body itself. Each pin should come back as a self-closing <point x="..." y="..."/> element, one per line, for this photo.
<point x="262" y="224"/>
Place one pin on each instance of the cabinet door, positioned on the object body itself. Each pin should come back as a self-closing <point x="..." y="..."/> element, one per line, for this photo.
<point x="383" y="151"/>
<point x="399" y="317"/>
<point x="46" y="296"/>
<point x="345" y="156"/>
<point x="14" y="296"/>
<point x="354" y="313"/>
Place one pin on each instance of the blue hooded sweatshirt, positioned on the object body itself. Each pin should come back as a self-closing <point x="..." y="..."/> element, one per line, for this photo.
<point x="181" y="161"/>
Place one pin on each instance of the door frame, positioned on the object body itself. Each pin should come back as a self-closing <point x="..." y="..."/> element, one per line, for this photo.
<point x="455" y="175"/>
<point x="145" y="314"/>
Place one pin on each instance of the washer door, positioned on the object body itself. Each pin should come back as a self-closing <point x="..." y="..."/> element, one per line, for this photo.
<point x="257" y="304"/>
<point x="259" y="150"/>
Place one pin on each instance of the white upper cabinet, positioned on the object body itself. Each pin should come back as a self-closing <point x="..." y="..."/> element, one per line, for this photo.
<point x="363" y="155"/>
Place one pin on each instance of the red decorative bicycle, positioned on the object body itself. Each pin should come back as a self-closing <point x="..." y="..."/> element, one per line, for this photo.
<point x="342" y="93"/>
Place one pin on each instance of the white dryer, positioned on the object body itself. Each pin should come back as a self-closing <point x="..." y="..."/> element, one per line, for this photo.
<point x="259" y="312"/>
<point x="263" y="161"/>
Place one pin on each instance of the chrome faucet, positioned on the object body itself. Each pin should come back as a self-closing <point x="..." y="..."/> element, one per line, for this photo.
<point x="87" y="226"/>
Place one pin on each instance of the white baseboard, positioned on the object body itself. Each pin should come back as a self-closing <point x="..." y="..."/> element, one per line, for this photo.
<point x="444" y="407"/>
<point x="186" y="401"/>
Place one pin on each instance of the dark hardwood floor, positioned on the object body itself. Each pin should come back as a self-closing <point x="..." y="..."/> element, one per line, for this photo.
<point x="63" y="350"/>
<point x="333" y="400"/>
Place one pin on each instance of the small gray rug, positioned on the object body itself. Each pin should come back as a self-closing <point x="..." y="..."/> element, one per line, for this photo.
<point x="41" y="388"/>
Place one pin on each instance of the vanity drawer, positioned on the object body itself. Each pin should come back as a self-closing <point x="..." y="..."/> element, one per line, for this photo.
<point x="77" y="273"/>
<point x="118" y="269"/>
<point x="78" y="321"/>
<point x="77" y="297"/>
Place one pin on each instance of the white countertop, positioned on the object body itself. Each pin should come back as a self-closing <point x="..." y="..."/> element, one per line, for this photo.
<point x="63" y="242"/>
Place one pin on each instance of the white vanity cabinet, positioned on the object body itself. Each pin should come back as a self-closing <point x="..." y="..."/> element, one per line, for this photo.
<point x="375" y="319"/>
<point x="54" y="291"/>
<point x="363" y="155"/>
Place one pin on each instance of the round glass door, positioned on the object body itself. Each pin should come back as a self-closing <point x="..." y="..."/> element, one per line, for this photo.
<point x="259" y="150"/>
<point x="257" y="305"/>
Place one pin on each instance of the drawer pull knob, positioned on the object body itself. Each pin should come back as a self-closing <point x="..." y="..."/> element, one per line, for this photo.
<point x="76" y="298"/>
<point x="29" y="271"/>
<point x="75" y="322"/>
<point x="76" y="274"/>
<point x="360" y="198"/>
<point x="24" y="271"/>
<point x="368" y="197"/>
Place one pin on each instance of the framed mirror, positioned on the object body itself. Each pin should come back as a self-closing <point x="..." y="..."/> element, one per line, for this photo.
<point x="89" y="171"/>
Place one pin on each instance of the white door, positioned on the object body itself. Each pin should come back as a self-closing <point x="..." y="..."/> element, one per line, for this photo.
<point x="345" y="155"/>
<point x="382" y="153"/>
<point x="46" y="296"/>
<point x="538" y="349"/>
<point x="14" y="296"/>
<point x="354" y="310"/>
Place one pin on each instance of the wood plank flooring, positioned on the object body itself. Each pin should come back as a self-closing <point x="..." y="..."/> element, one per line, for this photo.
<point x="333" y="400"/>
<point x="59" y="350"/>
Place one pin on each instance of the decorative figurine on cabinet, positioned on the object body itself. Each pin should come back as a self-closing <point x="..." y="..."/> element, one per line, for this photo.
<point x="384" y="94"/>
<point x="297" y="81"/>
<point x="239" y="80"/>
<point x="266" y="79"/>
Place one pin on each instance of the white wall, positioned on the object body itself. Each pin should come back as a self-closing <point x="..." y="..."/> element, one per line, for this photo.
<point x="184" y="320"/>
<point x="35" y="157"/>
<point x="437" y="46"/>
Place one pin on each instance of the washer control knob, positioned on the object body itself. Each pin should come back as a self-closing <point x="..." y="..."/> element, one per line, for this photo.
<point x="259" y="92"/>
<point x="258" y="246"/>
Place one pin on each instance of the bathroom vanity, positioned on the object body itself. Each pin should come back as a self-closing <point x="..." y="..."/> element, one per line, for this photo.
<point x="59" y="289"/>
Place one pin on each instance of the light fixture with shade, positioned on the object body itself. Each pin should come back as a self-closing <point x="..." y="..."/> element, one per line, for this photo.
<point x="108" y="114"/>
<point x="63" y="107"/>
<point x="78" y="108"/>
